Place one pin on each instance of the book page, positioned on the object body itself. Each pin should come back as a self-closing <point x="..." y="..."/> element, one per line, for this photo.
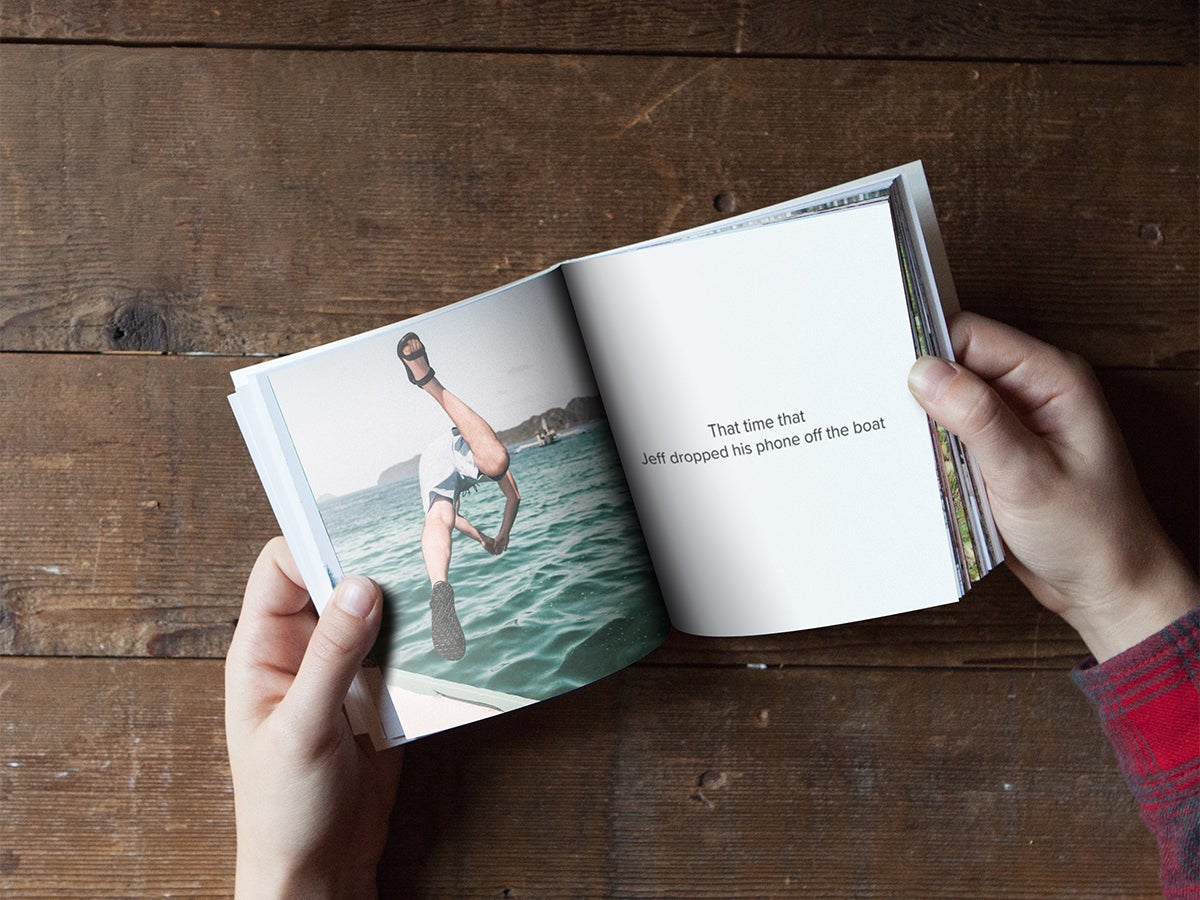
<point x="370" y="473"/>
<point x="756" y="386"/>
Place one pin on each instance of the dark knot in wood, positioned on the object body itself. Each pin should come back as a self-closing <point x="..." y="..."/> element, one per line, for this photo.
<point x="1151" y="233"/>
<point x="138" y="326"/>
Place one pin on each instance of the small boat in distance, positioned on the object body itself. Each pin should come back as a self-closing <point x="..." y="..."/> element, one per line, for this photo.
<point x="546" y="435"/>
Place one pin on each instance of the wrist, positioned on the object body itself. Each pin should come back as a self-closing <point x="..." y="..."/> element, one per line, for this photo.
<point x="1128" y="615"/>
<point x="258" y="880"/>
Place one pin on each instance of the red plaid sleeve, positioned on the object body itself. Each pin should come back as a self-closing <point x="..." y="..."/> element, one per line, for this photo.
<point x="1149" y="703"/>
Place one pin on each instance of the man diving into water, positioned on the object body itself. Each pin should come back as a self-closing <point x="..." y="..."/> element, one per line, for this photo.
<point x="470" y="452"/>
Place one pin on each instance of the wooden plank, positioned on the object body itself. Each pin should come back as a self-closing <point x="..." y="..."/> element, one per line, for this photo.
<point x="687" y="782"/>
<point x="132" y="514"/>
<point x="115" y="780"/>
<point x="131" y="509"/>
<point x="1106" y="30"/>
<point x="226" y="201"/>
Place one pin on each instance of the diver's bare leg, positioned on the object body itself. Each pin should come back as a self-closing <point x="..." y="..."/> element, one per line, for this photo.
<point x="436" y="541"/>
<point x="490" y="456"/>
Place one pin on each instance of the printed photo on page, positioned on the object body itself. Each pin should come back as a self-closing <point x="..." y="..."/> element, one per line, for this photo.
<point x="465" y="463"/>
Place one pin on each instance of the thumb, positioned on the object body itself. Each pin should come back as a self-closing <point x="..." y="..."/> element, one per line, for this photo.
<point x="342" y="638"/>
<point x="963" y="403"/>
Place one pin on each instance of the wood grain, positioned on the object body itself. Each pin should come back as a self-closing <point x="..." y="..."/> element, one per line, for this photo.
<point x="677" y="782"/>
<point x="115" y="781"/>
<point x="127" y="488"/>
<point x="1103" y="30"/>
<point x="262" y="202"/>
<point x="133" y="514"/>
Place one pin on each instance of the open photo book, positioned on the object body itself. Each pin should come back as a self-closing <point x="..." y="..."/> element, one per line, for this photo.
<point x="711" y="430"/>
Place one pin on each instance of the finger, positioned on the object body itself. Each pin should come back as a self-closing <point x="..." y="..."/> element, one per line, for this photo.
<point x="343" y="637"/>
<point x="276" y="618"/>
<point x="275" y="587"/>
<point x="1054" y="392"/>
<point x="1026" y="372"/>
<point x="991" y="349"/>
<point x="268" y="644"/>
<point x="966" y="405"/>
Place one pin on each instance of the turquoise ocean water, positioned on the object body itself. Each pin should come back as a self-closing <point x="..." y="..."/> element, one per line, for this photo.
<point x="573" y="599"/>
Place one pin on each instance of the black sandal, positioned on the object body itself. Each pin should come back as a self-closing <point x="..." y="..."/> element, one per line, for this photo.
<point x="448" y="638"/>
<point x="416" y="354"/>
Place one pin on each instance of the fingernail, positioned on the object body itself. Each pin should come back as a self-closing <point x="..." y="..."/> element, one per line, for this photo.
<point x="929" y="376"/>
<point x="356" y="595"/>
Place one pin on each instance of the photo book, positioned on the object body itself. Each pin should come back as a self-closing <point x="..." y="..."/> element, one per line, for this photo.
<point x="711" y="431"/>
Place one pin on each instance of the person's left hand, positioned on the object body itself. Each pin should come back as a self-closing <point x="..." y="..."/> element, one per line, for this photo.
<point x="312" y="801"/>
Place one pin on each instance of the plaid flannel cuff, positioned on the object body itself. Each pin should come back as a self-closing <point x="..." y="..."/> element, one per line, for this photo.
<point x="1148" y="699"/>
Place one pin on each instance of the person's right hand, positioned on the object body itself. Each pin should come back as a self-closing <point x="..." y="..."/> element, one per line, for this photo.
<point x="1077" y="528"/>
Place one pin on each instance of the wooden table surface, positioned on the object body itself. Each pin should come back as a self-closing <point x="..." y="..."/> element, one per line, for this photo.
<point x="184" y="185"/>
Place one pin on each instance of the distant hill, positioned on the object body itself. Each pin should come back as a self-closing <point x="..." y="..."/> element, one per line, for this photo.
<point x="399" y="471"/>
<point x="578" y="411"/>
